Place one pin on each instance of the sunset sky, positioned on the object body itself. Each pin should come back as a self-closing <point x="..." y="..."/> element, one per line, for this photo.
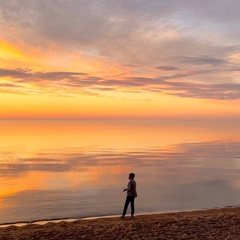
<point x="126" y="58"/>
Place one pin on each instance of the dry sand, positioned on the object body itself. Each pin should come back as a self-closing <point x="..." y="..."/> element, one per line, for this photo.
<point x="208" y="224"/>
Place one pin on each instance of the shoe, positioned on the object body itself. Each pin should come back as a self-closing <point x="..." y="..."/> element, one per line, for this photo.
<point x="122" y="217"/>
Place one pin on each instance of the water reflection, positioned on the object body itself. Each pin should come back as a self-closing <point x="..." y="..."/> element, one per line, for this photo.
<point x="77" y="169"/>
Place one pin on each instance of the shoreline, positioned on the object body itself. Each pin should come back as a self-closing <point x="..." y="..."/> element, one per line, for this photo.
<point x="218" y="223"/>
<point x="59" y="220"/>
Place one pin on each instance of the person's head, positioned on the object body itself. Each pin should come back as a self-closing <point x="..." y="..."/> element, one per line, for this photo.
<point x="131" y="176"/>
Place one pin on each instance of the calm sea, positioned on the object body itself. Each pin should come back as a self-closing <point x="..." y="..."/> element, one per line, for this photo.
<point x="74" y="169"/>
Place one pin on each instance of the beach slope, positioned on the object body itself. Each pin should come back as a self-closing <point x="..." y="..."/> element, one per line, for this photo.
<point x="208" y="224"/>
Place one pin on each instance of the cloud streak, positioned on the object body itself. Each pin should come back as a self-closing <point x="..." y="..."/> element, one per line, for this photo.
<point x="78" y="82"/>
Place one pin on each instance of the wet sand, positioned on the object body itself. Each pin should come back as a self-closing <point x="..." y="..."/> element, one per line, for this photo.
<point x="208" y="224"/>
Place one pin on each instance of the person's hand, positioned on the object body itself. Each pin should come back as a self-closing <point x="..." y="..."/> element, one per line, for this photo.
<point x="124" y="190"/>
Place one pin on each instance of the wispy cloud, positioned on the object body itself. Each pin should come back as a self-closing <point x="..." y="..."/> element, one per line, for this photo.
<point x="166" y="68"/>
<point x="186" y="48"/>
<point x="201" y="61"/>
<point x="178" y="84"/>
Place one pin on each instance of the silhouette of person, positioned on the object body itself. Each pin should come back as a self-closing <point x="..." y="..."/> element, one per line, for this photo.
<point x="131" y="195"/>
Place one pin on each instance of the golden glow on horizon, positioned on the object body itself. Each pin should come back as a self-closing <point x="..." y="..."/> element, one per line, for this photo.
<point x="115" y="105"/>
<point x="46" y="136"/>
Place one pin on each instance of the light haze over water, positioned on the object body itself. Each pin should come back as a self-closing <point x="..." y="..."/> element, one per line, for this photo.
<point x="78" y="168"/>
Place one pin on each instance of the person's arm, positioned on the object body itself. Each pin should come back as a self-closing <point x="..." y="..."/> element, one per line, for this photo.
<point x="128" y="187"/>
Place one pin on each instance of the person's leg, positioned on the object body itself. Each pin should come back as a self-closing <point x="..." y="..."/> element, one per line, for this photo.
<point x="132" y="206"/>
<point x="126" y="206"/>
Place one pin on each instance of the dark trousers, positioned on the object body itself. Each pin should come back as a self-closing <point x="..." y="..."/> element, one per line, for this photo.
<point x="129" y="199"/>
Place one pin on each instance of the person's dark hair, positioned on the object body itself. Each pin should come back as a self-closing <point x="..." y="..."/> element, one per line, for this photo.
<point x="132" y="175"/>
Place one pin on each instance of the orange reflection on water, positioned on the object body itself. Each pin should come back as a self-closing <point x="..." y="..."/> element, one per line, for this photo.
<point x="91" y="177"/>
<point x="89" y="135"/>
<point x="49" y="144"/>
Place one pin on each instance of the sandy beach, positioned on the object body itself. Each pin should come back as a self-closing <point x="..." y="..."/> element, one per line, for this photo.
<point x="207" y="224"/>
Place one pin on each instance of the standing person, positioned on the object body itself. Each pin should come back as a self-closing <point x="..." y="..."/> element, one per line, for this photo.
<point x="131" y="195"/>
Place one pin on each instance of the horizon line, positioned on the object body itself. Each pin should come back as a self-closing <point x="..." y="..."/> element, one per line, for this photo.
<point x="122" y="118"/>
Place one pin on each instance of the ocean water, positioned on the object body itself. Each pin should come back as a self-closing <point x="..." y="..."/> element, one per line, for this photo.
<point x="78" y="168"/>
